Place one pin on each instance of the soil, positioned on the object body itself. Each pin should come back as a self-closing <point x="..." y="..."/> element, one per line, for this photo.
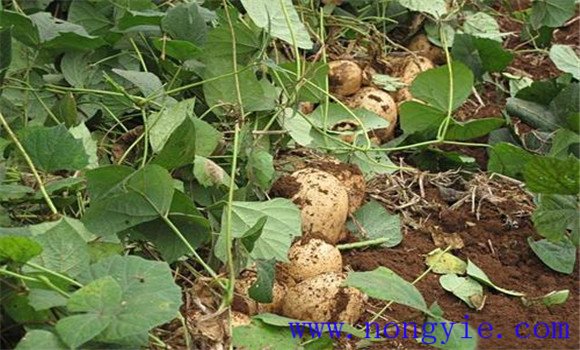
<point x="495" y="238"/>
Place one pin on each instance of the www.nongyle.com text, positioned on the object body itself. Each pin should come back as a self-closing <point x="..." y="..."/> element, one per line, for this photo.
<point x="430" y="332"/>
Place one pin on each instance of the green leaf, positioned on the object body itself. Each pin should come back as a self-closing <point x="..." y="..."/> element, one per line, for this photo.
<point x="555" y="214"/>
<point x="76" y="330"/>
<point x="373" y="221"/>
<point x="420" y="118"/>
<point x="148" y="83"/>
<point x="475" y="272"/>
<point x="255" y="94"/>
<point x="95" y="17"/>
<point x="372" y="163"/>
<point x="81" y="132"/>
<point x="433" y="86"/>
<point x="184" y="22"/>
<point x="566" y="106"/>
<point x="316" y="73"/>
<point x="508" y="160"/>
<point x="219" y="42"/>
<point x="282" y="227"/>
<point x="337" y="114"/>
<point x="53" y="148"/>
<point x="12" y="191"/>
<point x="77" y="69"/>
<point x="480" y="55"/>
<point x="280" y="19"/>
<point x="40" y="339"/>
<point x="564" y="143"/>
<point x="559" y="256"/>
<point x="149" y="297"/>
<point x="556" y="298"/>
<point x="44" y="299"/>
<point x="258" y="335"/>
<point x="128" y="201"/>
<point x="179" y="149"/>
<point x="260" y="168"/>
<point x="178" y="49"/>
<point x="463" y="131"/>
<point x="552" y="175"/>
<point x="190" y="222"/>
<point x="435" y="8"/>
<point x="251" y="236"/>
<point x="384" y="284"/>
<point x="464" y="288"/>
<point x="18" y="249"/>
<point x="65" y="111"/>
<point x="61" y="35"/>
<point x="64" y="248"/>
<point x="139" y="21"/>
<point x="566" y="59"/>
<point x="5" y="52"/>
<point x="551" y="13"/>
<point x="482" y="25"/>
<point x="23" y="29"/>
<point x="261" y="290"/>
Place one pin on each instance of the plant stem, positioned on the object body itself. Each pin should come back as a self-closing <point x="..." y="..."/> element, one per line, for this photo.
<point x="54" y="273"/>
<point x="362" y="244"/>
<point x="30" y="164"/>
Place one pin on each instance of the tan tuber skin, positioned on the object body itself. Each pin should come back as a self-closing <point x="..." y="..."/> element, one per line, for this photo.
<point x="344" y="77"/>
<point x="322" y="199"/>
<point x="411" y="68"/>
<point x="381" y="103"/>
<point x="421" y="45"/>
<point x="311" y="257"/>
<point x="323" y="299"/>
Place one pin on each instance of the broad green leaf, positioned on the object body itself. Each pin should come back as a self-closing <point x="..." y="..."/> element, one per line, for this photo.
<point x="53" y="148"/>
<point x="5" y="52"/>
<point x="566" y="105"/>
<point x="437" y="160"/>
<point x="255" y="94"/>
<point x="419" y="118"/>
<point x="566" y="59"/>
<point x="481" y="55"/>
<point x="64" y="248"/>
<point x="18" y="249"/>
<point x="190" y="222"/>
<point x="81" y="132"/>
<point x="376" y="222"/>
<point x="559" y="256"/>
<point x="445" y="263"/>
<point x="297" y="126"/>
<point x="12" y="191"/>
<point x="463" y="131"/>
<point x="65" y="111"/>
<point x="258" y="335"/>
<point x="23" y="29"/>
<point x="16" y="306"/>
<point x="464" y="288"/>
<point x="148" y="83"/>
<point x="508" y="160"/>
<point x="77" y="69"/>
<point x="541" y="91"/>
<point x="444" y="337"/>
<point x="219" y="42"/>
<point x="142" y="196"/>
<point x="280" y="18"/>
<point x="551" y="13"/>
<point x="433" y="86"/>
<point x="315" y="73"/>
<point x="556" y="298"/>
<point x="149" y="296"/>
<point x="76" y="330"/>
<point x="482" y="25"/>
<point x="44" y="299"/>
<point x="384" y="284"/>
<point x="250" y="237"/>
<point x="434" y="31"/>
<point x="40" y="339"/>
<point x="387" y="82"/>
<point x="261" y="290"/>
<point x="61" y="35"/>
<point x="372" y="163"/>
<point x="184" y="22"/>
<point x="106" y="180"/>
<point x="435" y="8"/>
<point x="95" y="17"/>
<point x="555" y="214"/>
<point x="178" y="49"/>
<point x="475" y="272"/>
<point x="564" y="143"/>
<point x="552" y="175"/>
<point x="179" y="149"/>
<point x="337" y="115"/>
<point x="282" y="227"/>
<point x="139" y="21"/>
<point x="260" y="168"/>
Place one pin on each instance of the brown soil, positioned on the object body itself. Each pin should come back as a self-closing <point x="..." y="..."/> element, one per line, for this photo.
<point x="495" y="238"/>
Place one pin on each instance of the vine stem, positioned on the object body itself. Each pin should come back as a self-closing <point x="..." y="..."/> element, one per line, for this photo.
<point x="30" y="164"/>
<point x="362" y="244"/>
